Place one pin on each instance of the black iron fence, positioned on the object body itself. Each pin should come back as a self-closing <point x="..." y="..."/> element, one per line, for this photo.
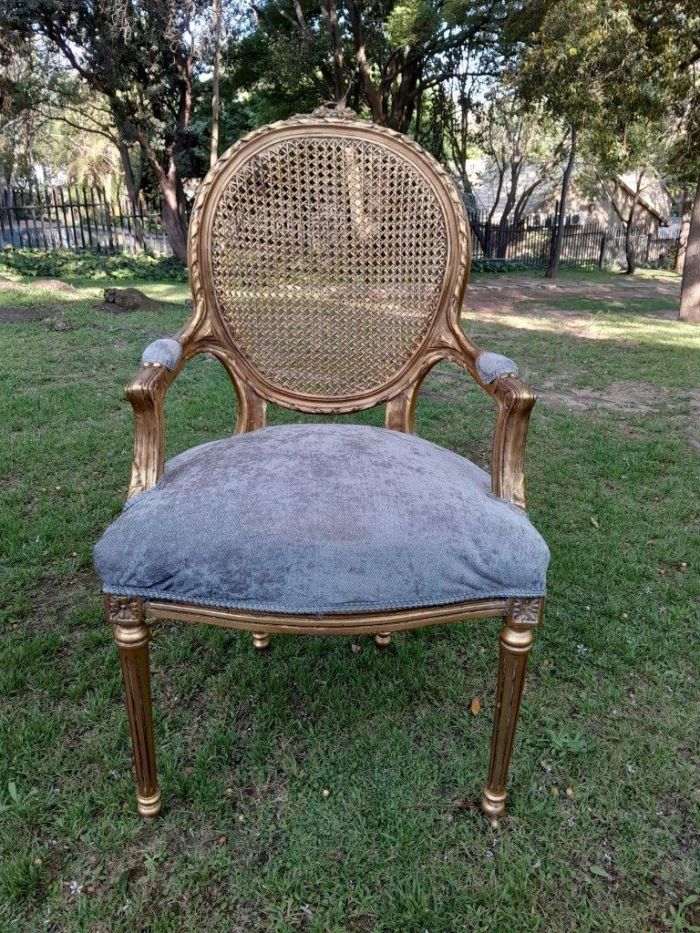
<point x="583" y="247"/>
<point x="77" y="218"/>
<point x="80" y="218"/>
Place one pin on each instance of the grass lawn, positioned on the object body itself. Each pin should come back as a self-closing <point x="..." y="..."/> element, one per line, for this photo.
<point x="602" y="831"/>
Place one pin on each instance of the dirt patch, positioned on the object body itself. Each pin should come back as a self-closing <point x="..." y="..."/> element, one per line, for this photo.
<point x="526" y="289"/>
<point x="631" y="398"/>
<point x="27" y="315"/>
<point x="119" y="300"/>
<point x="53" y="285"/>
<point x="44" y="285"/>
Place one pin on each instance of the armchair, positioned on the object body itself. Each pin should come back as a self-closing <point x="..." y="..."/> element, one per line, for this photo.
<point x="328" y="261"/>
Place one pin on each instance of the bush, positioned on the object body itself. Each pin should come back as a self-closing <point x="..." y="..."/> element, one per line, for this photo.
<point x="501" y="265"/>
<point x="87" y="264"/>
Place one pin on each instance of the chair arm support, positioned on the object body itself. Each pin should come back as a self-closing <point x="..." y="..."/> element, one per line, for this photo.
<point x="146" y="393"/>
<point x="515" y="402"/>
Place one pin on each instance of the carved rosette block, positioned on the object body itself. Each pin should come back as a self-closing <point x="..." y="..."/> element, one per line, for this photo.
<point x="516" y="640"/>
<point x="527" y="610"/>
<point x="131" y="635"/>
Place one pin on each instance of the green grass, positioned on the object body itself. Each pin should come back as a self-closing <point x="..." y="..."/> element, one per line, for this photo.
<point x="248" y="743"/>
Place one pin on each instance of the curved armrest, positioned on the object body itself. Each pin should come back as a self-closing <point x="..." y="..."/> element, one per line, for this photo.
<point x="515" y="402"/>
<point x="161" y="362"/>
<point x="498" y="376"/>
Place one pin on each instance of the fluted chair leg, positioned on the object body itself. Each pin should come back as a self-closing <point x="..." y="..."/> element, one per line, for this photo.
<point x="516" y="641"/>
<point x="132" y="636"/>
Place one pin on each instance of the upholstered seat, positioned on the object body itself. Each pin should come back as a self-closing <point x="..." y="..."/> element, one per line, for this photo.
<point x="321" y="519"/>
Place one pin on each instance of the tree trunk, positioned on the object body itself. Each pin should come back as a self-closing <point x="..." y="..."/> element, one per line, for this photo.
<point x="372" y="95"/>
<point x="690" y="289"/>
<point x="339" y="87"/>
<point x="215" y="98"/>
<point x="630" y="252"/>
<point x="502" y="241"/>
<point x="555" y="258"/>
<point x="686" y="208"/>
<point x="172" y="212"/>
<point x="132" y="187"/>
<point x="630" y="256"/>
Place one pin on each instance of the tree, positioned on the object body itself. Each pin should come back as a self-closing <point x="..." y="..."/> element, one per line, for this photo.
<point x="522" y="149"/>
<point x="690" y="288"/>
<point x="583" y="63"/>
<point x="670" y="35"/>
<point x="215" y="84"/>
<point x="385" y="54"/>
<point x="140" y="57"/>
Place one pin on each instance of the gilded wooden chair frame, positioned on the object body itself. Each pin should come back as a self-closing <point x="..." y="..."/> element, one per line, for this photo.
<point x="206" y="333"/>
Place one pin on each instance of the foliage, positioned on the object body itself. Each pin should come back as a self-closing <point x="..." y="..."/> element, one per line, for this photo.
<point x="381" y="57"/>
<point x="141" y="59"/>
<point x="89" y="265"/>
<point x="669" y="34"/>
<point x="499" y="266"/>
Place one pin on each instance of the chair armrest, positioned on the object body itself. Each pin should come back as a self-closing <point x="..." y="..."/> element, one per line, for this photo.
<point x="166" y="352"/>
<point x="498" y="376"/>
<point x="490" y="366"/>
<point x="161" y="362"/>
<point x="515" y="402"/>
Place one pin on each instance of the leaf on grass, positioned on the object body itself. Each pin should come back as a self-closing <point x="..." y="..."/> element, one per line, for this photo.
<point x="475" y="706"/>
<point x="601" y="873"/>
<point x="594" y="522"/>
<point x="466" y="803"/>
<point x="12" y="790"/>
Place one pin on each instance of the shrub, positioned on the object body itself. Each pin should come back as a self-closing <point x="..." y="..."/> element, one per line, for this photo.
<point x="88" y="264"/>
<point x="501" y="265"/>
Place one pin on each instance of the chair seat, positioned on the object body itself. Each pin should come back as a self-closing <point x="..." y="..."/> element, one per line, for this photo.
<point x="316" y="519"/>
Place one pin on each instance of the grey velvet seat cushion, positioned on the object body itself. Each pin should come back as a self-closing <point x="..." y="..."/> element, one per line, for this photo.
<point x="321" y="519"/>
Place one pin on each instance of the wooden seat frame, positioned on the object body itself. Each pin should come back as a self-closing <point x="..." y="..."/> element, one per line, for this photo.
<point x="206" y="333"/>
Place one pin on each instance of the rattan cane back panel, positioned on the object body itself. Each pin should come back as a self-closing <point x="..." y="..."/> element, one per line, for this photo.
<point x="329" y="257"/>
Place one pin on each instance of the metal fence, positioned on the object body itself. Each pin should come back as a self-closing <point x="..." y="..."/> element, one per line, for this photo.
<point x="583" y="247"/>
<point x="81" y="218"/>
<point x="78" y="218"/>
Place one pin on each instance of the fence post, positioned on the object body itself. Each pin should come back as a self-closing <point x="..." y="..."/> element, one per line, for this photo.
<point x="2" y="218"/>
<point x="603" y="247"/>
<point x="108" y="218"/>
<point x="648" y="254"/>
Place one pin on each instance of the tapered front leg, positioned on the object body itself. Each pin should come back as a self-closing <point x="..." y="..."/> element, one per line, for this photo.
<point x="132" y="635"/>
<point x="516" y="641"/>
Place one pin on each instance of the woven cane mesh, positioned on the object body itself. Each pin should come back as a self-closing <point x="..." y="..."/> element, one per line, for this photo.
<point x="328" y="258"/>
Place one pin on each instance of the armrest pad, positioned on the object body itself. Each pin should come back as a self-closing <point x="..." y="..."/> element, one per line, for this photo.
<point x="490" y="366"/>
<point x="165" y="352"/>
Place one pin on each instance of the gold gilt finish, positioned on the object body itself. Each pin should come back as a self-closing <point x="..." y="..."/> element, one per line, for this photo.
<point x="360" y="218"/>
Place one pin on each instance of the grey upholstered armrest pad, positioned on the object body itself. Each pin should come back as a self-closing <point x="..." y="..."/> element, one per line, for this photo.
<point x="492" y="365"/>
<point x="166" y="352"/>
